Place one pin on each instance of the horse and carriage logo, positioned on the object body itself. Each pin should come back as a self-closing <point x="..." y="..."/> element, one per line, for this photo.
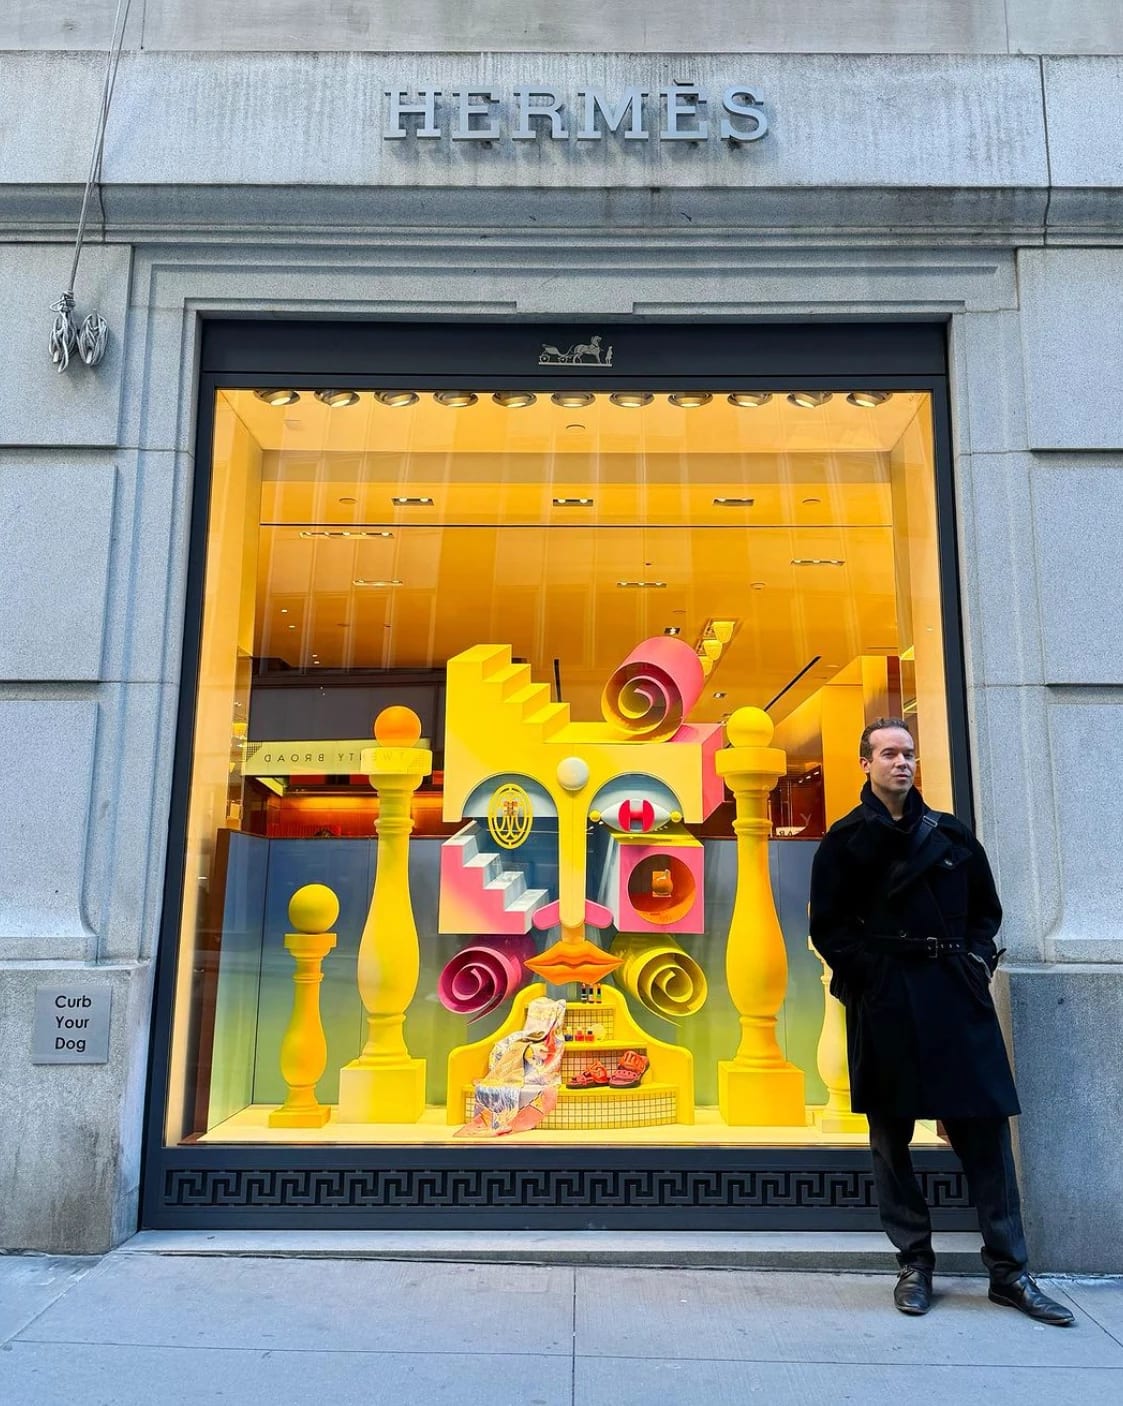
<point x="589" y="353"/>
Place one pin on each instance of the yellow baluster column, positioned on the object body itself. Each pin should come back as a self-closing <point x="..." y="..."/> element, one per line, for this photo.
<point x="836" y="1115"/>
<point x="758" y="1087"/>
<point x="842" y="717"/>
<point x="304" y="1051"/>
<point x="385" y="1085"/>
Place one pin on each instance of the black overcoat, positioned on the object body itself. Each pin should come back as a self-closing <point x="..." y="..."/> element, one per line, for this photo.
<point x="923" y="1038"/>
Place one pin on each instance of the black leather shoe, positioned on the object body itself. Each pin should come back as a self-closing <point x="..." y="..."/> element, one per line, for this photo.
<point x="913" y="1292"/>
<point x="1024" y="1295"/>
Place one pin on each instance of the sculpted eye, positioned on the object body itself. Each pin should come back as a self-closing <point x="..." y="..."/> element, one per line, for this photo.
<point x="635" y="814"/>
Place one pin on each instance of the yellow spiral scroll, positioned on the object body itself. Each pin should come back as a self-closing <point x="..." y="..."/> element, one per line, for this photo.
<point x="651" y="694"/>
<point x="656" y="971"/>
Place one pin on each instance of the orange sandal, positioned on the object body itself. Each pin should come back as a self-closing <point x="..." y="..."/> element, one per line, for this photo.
<point x="630" y="1070"/>
<point x="594" y="1076"/>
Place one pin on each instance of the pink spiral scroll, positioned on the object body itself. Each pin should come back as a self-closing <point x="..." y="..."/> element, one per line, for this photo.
<point x="479" y="977"/>
<point x="651" y="694"/>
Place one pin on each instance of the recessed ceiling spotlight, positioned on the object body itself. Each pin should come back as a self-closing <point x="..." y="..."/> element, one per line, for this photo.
<point x="809" y="400"/>
<point x="734" y="502"/>
<point x="573" y="502"/>
<point x="362" y="581"/>
<point x="396" y="399"/>
<point x="867" y="400"/>
<point x="412" y="502"/>
<point x="690" y="400"/>
<point x="818" y="561"/>
<point x="808" y="502"/>
<point x="757" y="585"/>
<point x="672" y="629"/>
<point x="455" y="400"/>
<point x="573" y="400"/>
<point x="278" y="397"/>
<point x="749" y="400"/>
<point x="642" y="585"/>
<point x="514" y="400"/>
<point x="284" y="610"/>
<point x="292" y="627"/>
<point x="348" y="500"/>
<point x="631" y="400"/>
<point x="351" y="532"/>
<point x="719" y="693"/>
<point x="338" y="400"/>
<point x="575" y="428"/>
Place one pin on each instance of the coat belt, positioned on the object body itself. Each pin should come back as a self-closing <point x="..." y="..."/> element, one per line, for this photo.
<point x="905" y="946"/>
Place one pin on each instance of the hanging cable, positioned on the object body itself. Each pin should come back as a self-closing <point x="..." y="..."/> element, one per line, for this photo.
<point x="92" y="337"/>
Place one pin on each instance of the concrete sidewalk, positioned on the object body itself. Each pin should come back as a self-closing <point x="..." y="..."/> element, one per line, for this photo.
<point x="147" y="1328"/>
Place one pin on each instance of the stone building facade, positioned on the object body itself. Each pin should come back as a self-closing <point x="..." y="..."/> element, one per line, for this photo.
<point x="963" y="164"/>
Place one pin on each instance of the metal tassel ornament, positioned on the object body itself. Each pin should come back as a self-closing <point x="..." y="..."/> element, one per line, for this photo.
<point x="64" y="335"/>
<point x="93" y="337"/>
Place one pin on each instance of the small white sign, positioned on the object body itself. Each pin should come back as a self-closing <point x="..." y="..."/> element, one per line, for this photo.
<point x="71" y="1025"/>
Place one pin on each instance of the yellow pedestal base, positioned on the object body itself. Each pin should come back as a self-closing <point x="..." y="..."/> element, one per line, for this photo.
<point x="390" y="1094"/>
<point x="760" y="1097"/>
<point x="314" y="1117"/>
<point x="828" y="1120"/>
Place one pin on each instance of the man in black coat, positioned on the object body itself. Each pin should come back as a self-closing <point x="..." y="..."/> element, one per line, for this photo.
<point x="905" y="913"/>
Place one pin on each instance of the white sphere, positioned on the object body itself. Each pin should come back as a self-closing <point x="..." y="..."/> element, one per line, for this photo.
<point x="573" y="773"/>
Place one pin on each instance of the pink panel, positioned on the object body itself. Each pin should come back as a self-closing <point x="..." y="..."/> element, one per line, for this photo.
<point x="683" y="910"/>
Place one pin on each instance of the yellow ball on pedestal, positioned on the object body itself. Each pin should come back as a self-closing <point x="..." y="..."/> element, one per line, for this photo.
<point x="313" y="908"/>
<point x="749" y="727"/>
<point x="397" y="727"/>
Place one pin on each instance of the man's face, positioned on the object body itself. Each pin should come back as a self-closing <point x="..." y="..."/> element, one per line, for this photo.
<point x="892" y="768"/>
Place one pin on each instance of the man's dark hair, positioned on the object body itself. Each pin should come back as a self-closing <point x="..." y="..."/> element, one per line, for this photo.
<point x="865" y="748"/>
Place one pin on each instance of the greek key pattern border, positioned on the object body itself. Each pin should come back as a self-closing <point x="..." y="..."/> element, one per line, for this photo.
<point x="537" y="1190"/>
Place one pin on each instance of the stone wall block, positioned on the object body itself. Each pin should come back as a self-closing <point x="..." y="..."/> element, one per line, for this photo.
<point x="906" y="121"/>
<point x="992" y="395"/>
<point x="1064" y="26"/>
<point x="48" y="751"/>
<point x="1077" y="510"/>
<point x="70" y="1154"/>
<point x="143" y="635"/>
<point x="38" y="404"/>
<point x="1082" y="741"/>
<point x="1082" y="99"/>
<point x="127" y="851"/>
<point x="62" y="24"/>
<point x="1070" y="1077"/>
<point x="858" y="26"/>
<point x="56" y="525"/>
<point x="1072" y="316"/>
<point x="1003" y="598"/>
<point x="1016" y="812"/>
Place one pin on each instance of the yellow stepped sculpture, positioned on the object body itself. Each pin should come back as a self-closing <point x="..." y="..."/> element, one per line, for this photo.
<point x="500" y="722"/>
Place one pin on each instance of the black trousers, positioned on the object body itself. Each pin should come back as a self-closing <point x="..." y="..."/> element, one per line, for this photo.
<point x="983" y="1147"/>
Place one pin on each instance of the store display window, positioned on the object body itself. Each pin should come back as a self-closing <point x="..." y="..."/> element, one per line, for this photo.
<point x="485" y="680"/>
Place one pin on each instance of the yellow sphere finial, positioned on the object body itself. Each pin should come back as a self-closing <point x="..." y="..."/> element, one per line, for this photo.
<point x="397" y="727"/>
<point x="313" y="908"/>
<point x="749" y="727"/>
